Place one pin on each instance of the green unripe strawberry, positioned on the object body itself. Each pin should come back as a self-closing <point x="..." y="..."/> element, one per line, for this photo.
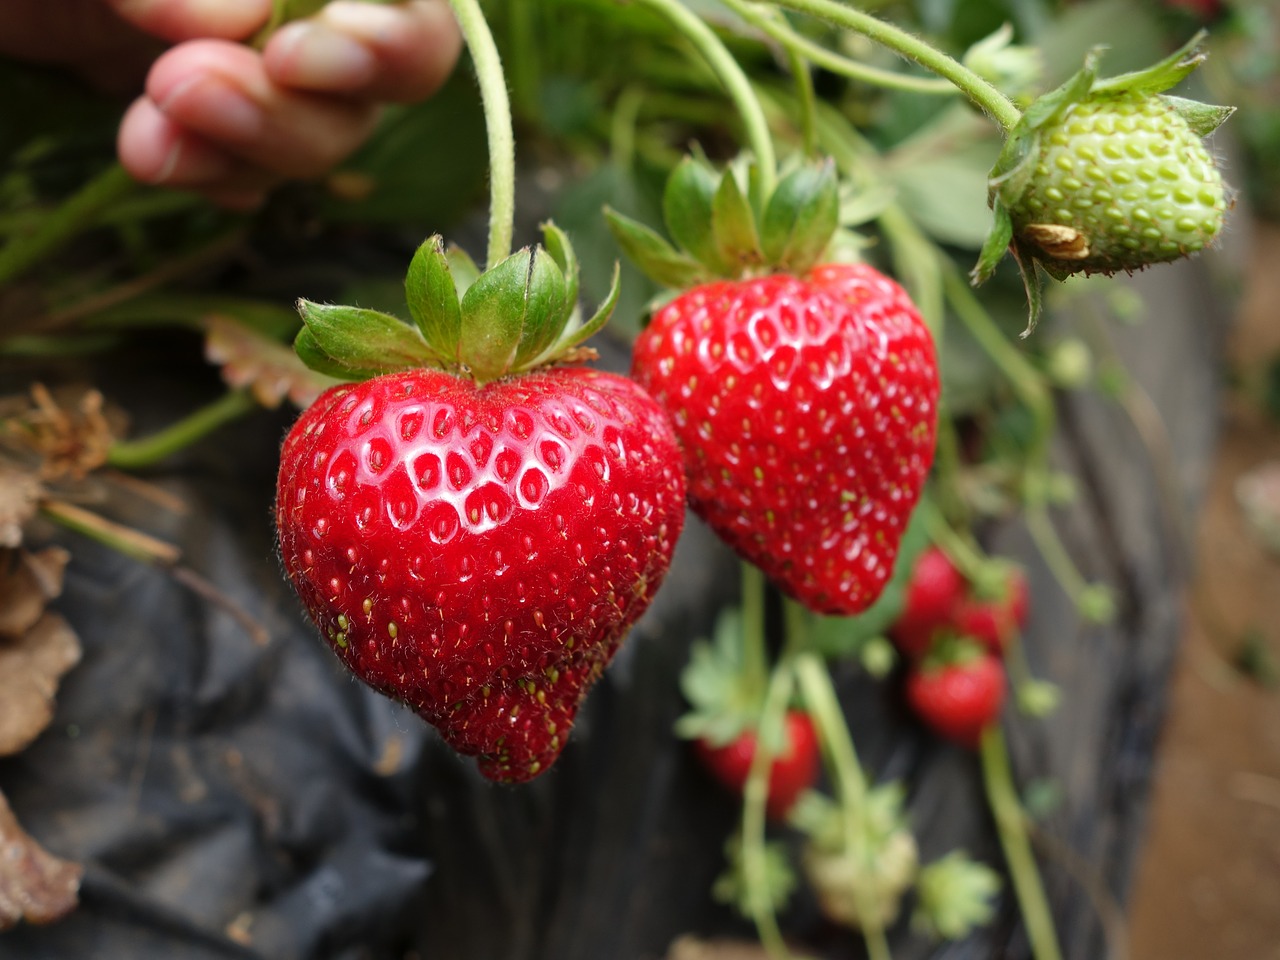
<point x="1118" y="184"/>
<point x="1106" y="175"/>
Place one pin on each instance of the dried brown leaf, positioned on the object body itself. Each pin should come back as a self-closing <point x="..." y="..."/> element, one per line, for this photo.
<point x="20" y="492"/>
<point x="28" y="581"/>
<point x="30" y="670"/>
<point x="271" y="370"/>
<point x="35" y="886"/>
<point x="69" y="435"/>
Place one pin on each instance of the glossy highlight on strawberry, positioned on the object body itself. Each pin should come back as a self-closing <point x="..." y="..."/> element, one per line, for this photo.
<point x="479" y="552"/>
<point x="806" y="409"/>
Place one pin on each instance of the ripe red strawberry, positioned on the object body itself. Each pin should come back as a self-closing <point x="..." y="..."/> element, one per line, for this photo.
<point x="794" y="770"/>
<point x="935" y="589"/>
<point x="959" y="698"/>
<point x="997" y="620"/>
<point x="479" y="552"/>
<point x="806" y="408"/>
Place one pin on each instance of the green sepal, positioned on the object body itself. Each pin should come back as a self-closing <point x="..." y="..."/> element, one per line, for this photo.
<point x="1033" y="276"/>
<point x="733" y="223"/>
<point x="656" y="258"/>
<point x="575" y="335"/>
<point x="465" y="270"/>
<point x="433" y="298"/>
<point x="687" y="206"/>
<point x="1161" y="76"/>
<point x="561" y="250"/>
<point x="801" y="217"/>
<point x="722" y="705"/>
<point x="309" y="352"/>
<point x="995" y="246"/>
<point x="546" y="309"/>
<point x="1202" y="118"/>
<point x="365" y="340"/>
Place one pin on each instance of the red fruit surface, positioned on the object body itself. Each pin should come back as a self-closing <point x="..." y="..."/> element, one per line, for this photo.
<point x="794" y="770"/>
<point x="958" y="700"/>
<point x="806" y="409"/>
<point x="935" y="589"/>
<point x="995" y="622"/>
<point x="479" y="552"/>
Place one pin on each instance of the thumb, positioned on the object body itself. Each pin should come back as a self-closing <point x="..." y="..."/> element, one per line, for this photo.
<point x="178" y="20"/>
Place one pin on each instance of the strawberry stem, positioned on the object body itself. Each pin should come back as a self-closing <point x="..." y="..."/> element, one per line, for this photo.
<point x="1012" y="828"/>
<point x="146" y="451"/>
<point x="982" y="93"/>
<point x="736" y="84"/>
<point x="796" y="45"/>
<point x="842" y="757"/>
<point x="497" y="119"/>
<point x="755" y="797"/>
<point x="755" y="661"/>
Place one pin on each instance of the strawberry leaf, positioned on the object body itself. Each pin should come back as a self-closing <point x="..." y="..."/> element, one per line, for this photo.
<point x="561" y="250"/>
<point x="1202" y="118"/>
<point x="493" y="316"/>
<point x="954" y="897"/>
<point x="801" y="217"/>
<point x="687" y="207"/>
<point x="361" y="339"/>
<point x="995" y="246"/>
<point x="656" y="258"/>
<point x="1159" y="77"/>
<point x="545" y="309"/>
<point x="464" y="269"/>
<point x="433" y="298"/>
<point x="310" y="353"/>
<point x="575" y="335"/>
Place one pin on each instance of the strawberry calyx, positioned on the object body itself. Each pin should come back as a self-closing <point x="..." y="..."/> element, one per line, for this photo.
<point x="518" y="316"/>
<point x="1103" y="175"/>
<point x="725" y="699"/>
<point x="719" y="232"/>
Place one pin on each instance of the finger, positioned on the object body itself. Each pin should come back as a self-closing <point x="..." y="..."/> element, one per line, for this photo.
<point x="220" y="91"/>
<point x="155" y="150"/>
<point x="178" y="20"/>
<point x="400" y="53"/>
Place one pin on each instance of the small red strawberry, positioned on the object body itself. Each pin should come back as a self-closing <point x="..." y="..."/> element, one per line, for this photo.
<point x="794" y="770"/>
<point x="960" y="697"/>
<point x="805" y="399"/>
<point x="935" y="589"/>
<point x="475" y="541"/>
<point x="995" y="621"/>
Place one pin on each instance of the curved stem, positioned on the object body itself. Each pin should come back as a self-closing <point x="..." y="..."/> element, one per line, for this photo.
<point x="798" y="45"/>
<point x="144" y="452"/>
<point x="1012" y="828"/>
<point x="497" y="119"/>
<point x="755" y="661"/>
<point x="735" y="81"/>
<point x="982" y="93"/>
<point x="74" y="215"/>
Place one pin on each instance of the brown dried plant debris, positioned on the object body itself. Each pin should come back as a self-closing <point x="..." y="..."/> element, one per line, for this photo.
<point x="62" y="437"/>
<point x="35" y="886"/>
<point x="270" y="369"/>
<point x="20" y="495"/>
<point x="37" y="647"/>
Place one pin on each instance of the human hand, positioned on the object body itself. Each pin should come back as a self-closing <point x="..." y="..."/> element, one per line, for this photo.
<point x="221" y="118"/>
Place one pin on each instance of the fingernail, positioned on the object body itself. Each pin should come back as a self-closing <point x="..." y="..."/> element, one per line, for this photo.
<point x="188" y="165"/>
<point x="215" y="108"/>
<point x="370" y="22"/>
<point x="321" y="58"/>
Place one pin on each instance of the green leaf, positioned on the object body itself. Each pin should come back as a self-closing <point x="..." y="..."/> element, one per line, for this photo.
<point x="464" y="269"/>
<point x="573" y="336"/>
<point x="687" y="209"/>
<point x="545" y="310"/>
<point x="433" y="298"/>
<point x="995" y="247"/>
<point x="656" y="258"/>
<point x="1159" y="77"/>
<point x="955" y="896"/>
<point x="801" y="217"/>
<point x="493" y="315"/>
<point x="365" y="340"/>
<point x="309" y="352"/>
<point x="561" y="250"/>
<point x="1202" y="118"/>
<point x="733" y="223"/>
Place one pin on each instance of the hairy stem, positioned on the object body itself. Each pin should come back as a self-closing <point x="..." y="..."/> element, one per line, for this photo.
<point x="497" y="119"/>
<point x="987" y="97"/>
<point x="735" y="81"/>
<point x="1012" y="828"/>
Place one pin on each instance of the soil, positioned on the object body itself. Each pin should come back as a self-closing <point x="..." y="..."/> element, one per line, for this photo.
<point x="1208" y="885"/>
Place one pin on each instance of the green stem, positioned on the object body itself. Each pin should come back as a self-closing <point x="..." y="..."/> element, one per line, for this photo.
<point x="736" y="84"/>
<point x="497" y="119"/>
<point x="851" y="784"/>
<point x="798" y="45"/>
<point x="967" y="558"/>
<point x="978" y="90"/>
<point x="144" y="452"/>
<point x="755" y="796"/>
<point x="755" y="660"/>
<point x="1011" y="826"/>
<point x="76" y="214"/>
